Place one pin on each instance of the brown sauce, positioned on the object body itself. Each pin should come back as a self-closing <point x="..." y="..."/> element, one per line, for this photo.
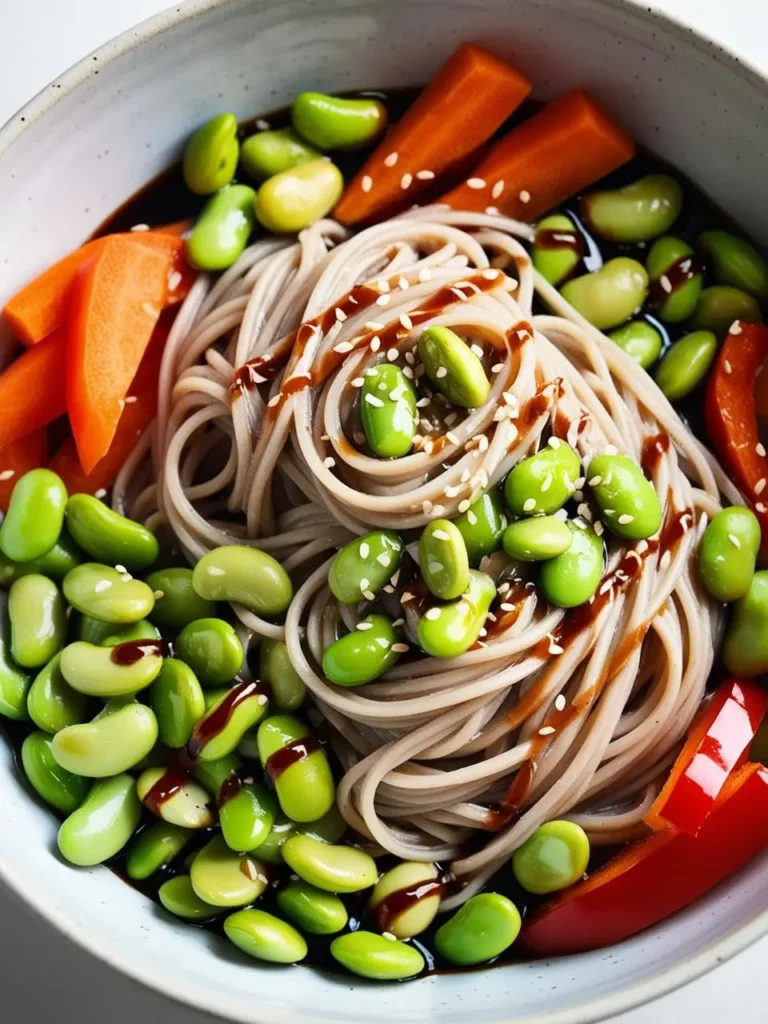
<point x="290" y="754"/>
<point x="132" y="651"/>
<point x="399" y="902"/>
<point x="174" y="779"/>
<point x="675" y="277"/>
<point x="560" y="238"/>
<point x="217" y="719"/>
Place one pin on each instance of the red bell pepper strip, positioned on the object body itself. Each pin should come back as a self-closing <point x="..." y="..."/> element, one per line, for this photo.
<point x="722" y="733"/>
<point x="656" y="877"/>
<point x="32" y="389"/>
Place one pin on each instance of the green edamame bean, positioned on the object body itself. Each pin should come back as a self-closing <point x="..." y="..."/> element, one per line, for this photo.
<point x="363" y="566"/>
<point x="178" y="702"/>
<point x="408" y="875"/>
<point x="219" y="777"/>
<point x="557" y="248"/>
<point x="640" y="340"/>
<point x="245" y="575"/>
<point x="212" y="650"/>
<point x="104" y="593"/>
<point x="179" y="604"/>
<point x="109" y="537"/>
<point x="226" y="879"/>
<point x="628" y="501"/>
<point x="374" y="956"/>
<point x="213" y="695"/>
<point x="38" y="617"/>
<point x="328" y="829"/>
<point x="311" y="909"/>
<point x="247" y="818"/>
<point x="102" y="824"/>
<point x="55" y="564"/>
<point x="270" y="851"/>
<point x="480" y="931"/>
<point x="210" y="156"/>
<point x="364" y="654"/>
<point x="443" y="559"/>
<point x="108" y="634"/>
<point x="295" y="199"/>
<point x="110" y="671"/>
<point x="333" y="868"/>
<point x="611" y="295"/>
<point x="671" y="259"/>
<point x="155" y="847"/>
<point x="735" y="262"/>
<point x="554" y="857"/>
<point x="482" y="526"/>
<point x="534" y="540"/>
<point x="637" y="212"/>
<point x="745" y="647"/>
<point x="453" y="368"/>
<point x="720" y="305"/>
<point x="189" y="805"/>
<point x="388" y="411"/>
<point x="179" y="898"/>
<point x="545" y="481"/>
<point x="222" y="230"/>
<point x="247" y="705"/>
<point x="35" y="516"/>
<point x="58" y="787"/>
<point x="685" y="364"/>
<point x="286" y="686"/>
<point x="304" y="786"/>
<point x="728" y="553"/>
<point x="117" y="739"/>
<point x="14" y="682"/>
<point x="572" y="578"/>
<point x="272" y="152"/>
<point x="52" y="703"/>
<point x="265" y="936"/>
<point x="329" y="122"/>
<point x="448" y="630"/>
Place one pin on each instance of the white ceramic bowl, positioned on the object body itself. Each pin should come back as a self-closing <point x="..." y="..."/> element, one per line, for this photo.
<point x="107" y="126"/>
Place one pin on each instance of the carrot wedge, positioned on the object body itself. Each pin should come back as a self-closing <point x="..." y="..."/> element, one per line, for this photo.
<point x="17" y="458"/>
<point x="567" y="146"/>
<point x="32" y="389"/>
<point x="470" y="97"/>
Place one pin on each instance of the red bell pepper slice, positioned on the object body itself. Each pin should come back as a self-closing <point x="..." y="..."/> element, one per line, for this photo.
<point x="656" y="877"/>
<point x="722" y="733"/>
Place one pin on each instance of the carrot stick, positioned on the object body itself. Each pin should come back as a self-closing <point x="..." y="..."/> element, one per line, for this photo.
<point x="32" y="389"/>
<point x="469" y="98"/>
<point x="567" y="146"/>
<point x="17" y="458"/>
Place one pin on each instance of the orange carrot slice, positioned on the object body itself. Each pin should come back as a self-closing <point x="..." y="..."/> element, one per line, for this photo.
<point x="17" y="458"/>
<point x="32" y="389"/>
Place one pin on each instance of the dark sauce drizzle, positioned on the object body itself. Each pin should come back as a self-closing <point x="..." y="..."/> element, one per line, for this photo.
<point x="399" y="902"/>
<point x="131" y="651"/>
<point x="290" y="754"/>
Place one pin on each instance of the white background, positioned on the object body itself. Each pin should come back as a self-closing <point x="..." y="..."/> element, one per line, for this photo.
<point x="42" y="976"/>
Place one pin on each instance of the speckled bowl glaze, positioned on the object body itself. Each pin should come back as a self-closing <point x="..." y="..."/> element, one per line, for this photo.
<point x="119" y="117"/>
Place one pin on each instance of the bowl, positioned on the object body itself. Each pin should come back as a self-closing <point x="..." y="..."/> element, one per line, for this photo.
<point x="106" y="127"/>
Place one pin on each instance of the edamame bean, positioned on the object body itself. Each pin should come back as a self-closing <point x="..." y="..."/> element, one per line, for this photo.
<point x="545" y="481"/>
<point x="220" y="777"/>
<point x="210" y="157"/>
<point x="534" y="540"/>
<point x="328" y="829"/>
<point x="178" y="702"/>
<point x="554" y="857"/>
<point x="482" y="526"/>
<point x="14" y="683"/>
<point x="245" y="575"/>
<point x="109" y="537"/>
<point x="102" y="824"/>
<point x="628" y="501"/>
<point x="388" y="411"/>
<point x="611" y="295"/>
<point x="447" y="630"/>
<point x="52" y="703"/>
<point x="271" y="152"/>
<point x="111" y="671"/>
<point x="117" y="739"/>
<point x="685" y="364"/>
<point x="728" y="553"/>
<point x="226" y="879"/>
<point x="265" y="936"/>
<point x="333" y="868"/>
<point x="330" y="122"/>
<point x="104" y="593"/>
<point x="443" y="559"/>
<point x="314" y="911"/>
<point x="35" y="516"/>
<point x="363" y="566"/>
<point x="639" y="340"/>
<point x="270" y="851"/>
<point x="58" y="787"/>
<point x="38" y="617"/>
<point x="179" y="604"/>
<point x="55" y="564"/>
<point x="295" y="199"/>
<point x="373" y="956"/>
<point x="188" y="805"/>
<point x="479" y="931"/>
<point x="720" y="305"/>
<point x="247" y="817"/>
<point x="453" y="368"/>
<point x="286" y="686"/>
<point x="248" y="746"/>
<point x="735" y="262"/>
<point x="212" y="650"/>
<point x="222" y="230"/>
<point x="557" y="248"/>
<point x="244" y="705"/>
<point x="572" y="578"/>
<point x="179" y="898"/>
<point x="637" y="212"/>
<point x="213" y="695"/>
<point x="108" y="634"/>
<point x="364" y="654"/>
<point x="745" y="647"/>
<point x="420" y="881"/>
<point x="676" y="278"/>
<point x="155" y="847"/>
<point x="297" y="765"/>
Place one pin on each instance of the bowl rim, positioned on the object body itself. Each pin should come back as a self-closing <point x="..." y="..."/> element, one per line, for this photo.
<point x="200" y="997"/>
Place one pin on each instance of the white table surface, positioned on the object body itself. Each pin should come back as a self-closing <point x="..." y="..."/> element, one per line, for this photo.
<point x="43" y="977"/>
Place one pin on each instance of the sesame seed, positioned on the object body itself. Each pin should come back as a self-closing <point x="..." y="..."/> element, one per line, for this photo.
<point x="491" y="210"/>
<point x="471" y="517"/>
<point x="408" y="372"/>
<point x="399" y="648"/>
<point x="441" y="372"/>
<point x="734" y="540"/>
<point x="525" y="196"/>
<point x="403" y="283"/>
<point x="546" y="482"/>
<point x="369" y="596"/>
<point x="546" y="730"/>
<point x="392" y="354"/>
<point x="497" y="189"/>
<point x="406" y="321"/>
<point x="735" y="327"/>
<point x="727" y="366"/>
<point x="367" y="183"/>
<point x="464" y="505"/>
<point x="529" y="505"/>
<point x="358" y="382"/>
<point x="598" y="527"/>
<point x="101" y="493"/>
<point x="429" y="447"/>
<point x="391" y="160"/>
<point x="394" y="578"/>
<point x="384" y="559"/>
<point x="405" y="181"/>
<point x="490" y="274"/>
<point x="364" y="550"/>
<point x="561" y="514"/>
<point x="475" y="183"/>
<point x="760" y="507"/>
<point x="426" y="506"/>
<point x="595" y="481"/>
<point x="364" y="626"/>
<point x="760" y="449"/>
<point x="432" y="614"/>
<point x="425" y="274"/>
<point x="275" y="400"/>
<point x="625" y="519"/>
<point x="374" y="401"/>
<point x="425" y="175"/>
<point x="374" y="325"/>
<point x="560" y="702"/>
<point x="609" y="511"/>
<point x="477" y="349"/>
<point x="7" y="474"/>
<point x="329" y="463"/>
<point x="483" y="443"/>
<point x="441" y="535"/>
<point x="555" y="649"/>
<point x="376" y="341"/>
<point x="343" y="346"/>
<point x="452" y="437"/>
<point x="465" y="476"/>
<point x="497" y="367"/>
<point x="383" y="300"/>
<point x="249" y="868"/>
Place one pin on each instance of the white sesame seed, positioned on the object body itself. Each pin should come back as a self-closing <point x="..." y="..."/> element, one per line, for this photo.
<point x="546" y="482"/>
<point x="465" y="476"/>
<point x="405" y="181"/>
<point x="529" y="505"/>
<point x="760" y="485"/>
<point x="471" y="517"/>
<point x="760" y="507"/>
<point x="369" y="596"/>
<point x="7" y="474"/>
<point x="483" y="443"/>
<point x="760" y="449"/>
<point x="727" y="366"/>
<point x="341" y="316"/>
<point x="464" y="505"/>
<point x="408" y="372"/>
<point x="101" y="493"/>
<point x="625" y="519"/>
<point x="432" y="614"/>
<point x="364" y="626"/>
<point x="497" y="367"/>
<point x="595" y="481"/>
<point x="441" y="372"/>
<point x="374" y="401"/>
<point x="441" y="535"/>
<point x="357" y="382"/>
<point x="275" y="400"/>
<point x="477" y="349"/>
<point x="560" y="702"/>
<point x="384" y="559"/>
<point x="376" y="340"/>
<point x="399" y="648"/>
<point x="546" y="730"/>
<point x="426" y="506"/>
<point x="525" y="196"/>
<point x="429" y="447"/>
<point x="452" y="437"/>
<point x="391" y="160"/>
<point x="555" y="649"/>
<point x="366" y="183"/>
<point x="561" y="514"/>
<point x="491" y="210"/>
<point x="403" y="283"/>
<point x="343" y="346"/>
<point x="490" y="274"/>
<point x="425" y="175"/>
<point x="735" y="327"/>
<point x="406" y="321"/>
<point x="383" y="300"/>
<point x="497" y="189"/>
<point x="364" y="550"/>
<point x="329" y="463"/>
<point x="475" y="183"/>
<point x="734" y="540"/>
<point x="598" y="527"/>
<point x="392" y="354"/>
